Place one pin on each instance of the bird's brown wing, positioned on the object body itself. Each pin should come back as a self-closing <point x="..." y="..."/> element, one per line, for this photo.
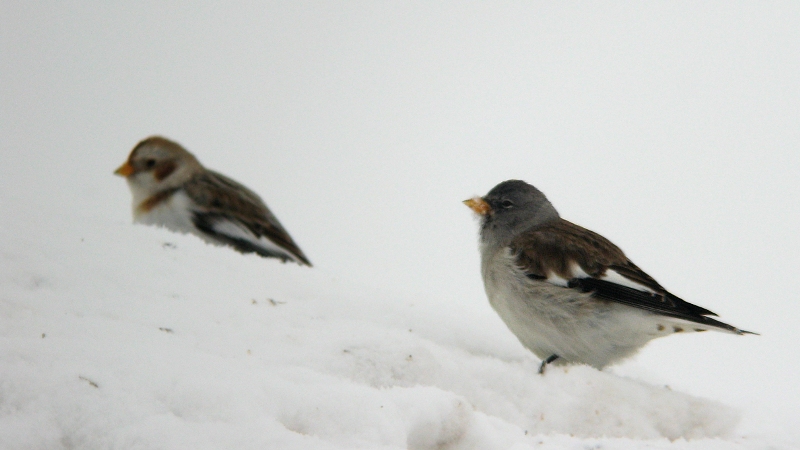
<point x="223" y="204"/>
<point x="559" y="248"/>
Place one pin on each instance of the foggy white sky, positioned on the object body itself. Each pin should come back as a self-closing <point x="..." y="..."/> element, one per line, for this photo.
<point x="670" y="128"/>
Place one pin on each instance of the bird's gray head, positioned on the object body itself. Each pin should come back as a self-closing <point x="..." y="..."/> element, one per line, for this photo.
<point x="509" y="209"/>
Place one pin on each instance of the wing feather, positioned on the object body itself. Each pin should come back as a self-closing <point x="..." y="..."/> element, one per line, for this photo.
<point x="221" y="198"/>
<point x="587" y="260"/>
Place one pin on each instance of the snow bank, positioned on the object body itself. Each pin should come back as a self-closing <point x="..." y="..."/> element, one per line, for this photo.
<point x="122" y="336"/>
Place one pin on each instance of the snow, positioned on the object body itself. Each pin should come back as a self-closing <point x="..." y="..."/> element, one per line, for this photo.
<point x="180" y="344"/>
<point x="363" y="126"/>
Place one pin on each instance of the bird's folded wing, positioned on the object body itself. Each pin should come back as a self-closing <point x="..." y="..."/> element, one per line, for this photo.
<point x="239" y="217"/>
<point x="225" y="229"/>
<point x="567" y="255"/>
<point x="664" y="304"/>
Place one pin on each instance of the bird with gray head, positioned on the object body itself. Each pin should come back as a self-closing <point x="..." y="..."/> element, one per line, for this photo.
<point x="172" y="189"/>
<point x="567" y="293"/>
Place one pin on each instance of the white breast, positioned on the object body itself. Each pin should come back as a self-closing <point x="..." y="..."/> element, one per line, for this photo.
<point x="174" y="213"/>
<point x="549" y="319"/>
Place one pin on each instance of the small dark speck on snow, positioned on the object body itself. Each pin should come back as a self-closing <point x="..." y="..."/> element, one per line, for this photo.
<point x="91" y="383"/>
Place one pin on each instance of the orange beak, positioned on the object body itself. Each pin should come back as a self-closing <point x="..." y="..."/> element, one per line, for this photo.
<point x="478" y="205"/>
<point x="125" y="170"/>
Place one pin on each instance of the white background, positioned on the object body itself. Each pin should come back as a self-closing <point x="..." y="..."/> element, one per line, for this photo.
<point x="670" y="128"/>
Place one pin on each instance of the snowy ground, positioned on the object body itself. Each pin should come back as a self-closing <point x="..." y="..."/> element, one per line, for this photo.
<point x="669" y="128"/>
<point x="115" y="336"/>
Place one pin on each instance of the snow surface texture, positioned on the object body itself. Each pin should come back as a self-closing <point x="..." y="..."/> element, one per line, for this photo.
<point x="670" y="128"/>
<point x="155" y="340"/>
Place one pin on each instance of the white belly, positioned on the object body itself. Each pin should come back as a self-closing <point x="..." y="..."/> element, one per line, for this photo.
<point x="174" y="213"/>
<point x="554" y="320"/>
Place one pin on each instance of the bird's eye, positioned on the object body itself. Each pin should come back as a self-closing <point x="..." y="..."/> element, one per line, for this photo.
<point x="150" y="163"/>
<point x="506" y="204"/>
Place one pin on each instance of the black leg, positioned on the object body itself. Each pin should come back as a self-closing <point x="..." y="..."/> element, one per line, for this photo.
<point x="545" y="362"/>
